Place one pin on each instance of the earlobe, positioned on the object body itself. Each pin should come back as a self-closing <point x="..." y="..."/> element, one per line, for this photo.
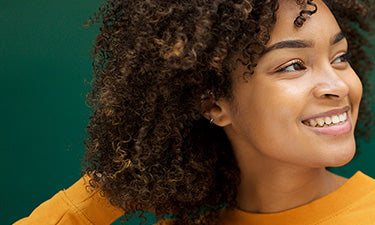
<point x="220" y="113"/>
<point x="216" y="112"/>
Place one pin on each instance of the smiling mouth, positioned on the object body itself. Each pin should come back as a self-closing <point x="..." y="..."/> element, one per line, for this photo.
<point x="327" y="120"/>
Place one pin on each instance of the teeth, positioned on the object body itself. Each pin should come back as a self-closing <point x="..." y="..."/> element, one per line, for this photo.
<point x="327" y="121"/>
<point x="344" y="116"/>
<point x="320" y="121"/>
<point x="335" y="119"/>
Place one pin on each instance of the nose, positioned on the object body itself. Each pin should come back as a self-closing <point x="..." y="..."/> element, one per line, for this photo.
<point x="331" y="84"/>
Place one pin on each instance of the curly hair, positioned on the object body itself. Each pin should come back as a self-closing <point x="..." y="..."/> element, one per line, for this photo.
<point x="149" y="147"/>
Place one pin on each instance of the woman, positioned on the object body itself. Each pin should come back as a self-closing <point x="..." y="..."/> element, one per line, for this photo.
<point x="227" y="112"/>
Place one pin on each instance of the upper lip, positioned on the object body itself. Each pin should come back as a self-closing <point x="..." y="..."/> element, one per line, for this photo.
<point x="329" y="113"/>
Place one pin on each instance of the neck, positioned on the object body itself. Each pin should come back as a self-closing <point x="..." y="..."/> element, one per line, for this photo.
<point x="273" y="187"/>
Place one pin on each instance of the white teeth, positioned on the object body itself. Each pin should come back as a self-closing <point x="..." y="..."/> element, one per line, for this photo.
<point x="326" y="121"/>
<point x="342" y="117"/>
<point x="320" y="121"/>
<point x="335" y="119"/>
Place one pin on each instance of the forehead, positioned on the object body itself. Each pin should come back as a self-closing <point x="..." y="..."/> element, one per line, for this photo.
<point x="322" y="22"/>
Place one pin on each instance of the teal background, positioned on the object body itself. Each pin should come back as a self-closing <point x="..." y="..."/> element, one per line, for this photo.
<point x="45" y="71"/>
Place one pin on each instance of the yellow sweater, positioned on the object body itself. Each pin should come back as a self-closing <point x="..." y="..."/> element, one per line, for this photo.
<point x="351" y="204"/>
<point x="74" y="206"/>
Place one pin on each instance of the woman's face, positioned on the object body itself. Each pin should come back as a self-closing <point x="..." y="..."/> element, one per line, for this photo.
<point x="301" y="104"/>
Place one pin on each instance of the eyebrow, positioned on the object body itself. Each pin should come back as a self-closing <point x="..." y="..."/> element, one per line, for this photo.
<point x="289" y="44"/>
<point x="337" y="38"/>
<point x="301" y="43"/>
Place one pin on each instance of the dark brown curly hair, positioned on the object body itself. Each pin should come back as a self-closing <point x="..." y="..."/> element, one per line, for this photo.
<point x="149" y="147"/>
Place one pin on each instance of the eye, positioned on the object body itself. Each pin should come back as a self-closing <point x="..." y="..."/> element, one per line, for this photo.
<point x="343" y="58"/>
<point x="292" y="66"/>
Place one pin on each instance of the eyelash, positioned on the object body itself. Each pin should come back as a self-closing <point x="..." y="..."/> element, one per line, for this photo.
<point x="292" y="63"/>
<point x="345" y="58"/>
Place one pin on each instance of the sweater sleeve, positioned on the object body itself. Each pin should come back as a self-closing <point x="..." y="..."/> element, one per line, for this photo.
<point x="75" y="205"/>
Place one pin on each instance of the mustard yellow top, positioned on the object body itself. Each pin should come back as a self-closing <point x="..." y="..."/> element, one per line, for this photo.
<point x="74" y="206"/>
<point x="351" y="204"/>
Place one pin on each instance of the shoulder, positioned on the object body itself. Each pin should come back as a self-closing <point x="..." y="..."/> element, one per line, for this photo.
<point x="76" y="205"/>
<point x="364" y="186"/>
<point x="357" y="199"/>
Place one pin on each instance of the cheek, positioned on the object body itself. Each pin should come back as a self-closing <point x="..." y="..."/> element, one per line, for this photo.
<point x="286" y="100"/>
<point x="355" y="91"/>
<point x="358" y="88"/>
<point x="272" y="109"/>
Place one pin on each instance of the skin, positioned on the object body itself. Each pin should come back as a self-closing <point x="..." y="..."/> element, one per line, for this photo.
<point x="282" y="161"/>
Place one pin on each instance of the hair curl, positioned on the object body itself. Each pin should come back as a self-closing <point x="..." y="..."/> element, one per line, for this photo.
<point x="149" y="148"/>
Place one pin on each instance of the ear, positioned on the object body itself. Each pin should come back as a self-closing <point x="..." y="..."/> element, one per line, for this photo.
<point x="219" y="111"/>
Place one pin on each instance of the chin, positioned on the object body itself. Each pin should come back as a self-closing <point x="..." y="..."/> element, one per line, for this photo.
<point x="342" y="156"/>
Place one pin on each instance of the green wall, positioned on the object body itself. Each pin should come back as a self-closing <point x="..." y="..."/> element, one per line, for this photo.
<point x="44" y="71"/>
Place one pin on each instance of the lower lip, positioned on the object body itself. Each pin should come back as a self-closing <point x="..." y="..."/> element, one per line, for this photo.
<point x="334" y="130"/>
